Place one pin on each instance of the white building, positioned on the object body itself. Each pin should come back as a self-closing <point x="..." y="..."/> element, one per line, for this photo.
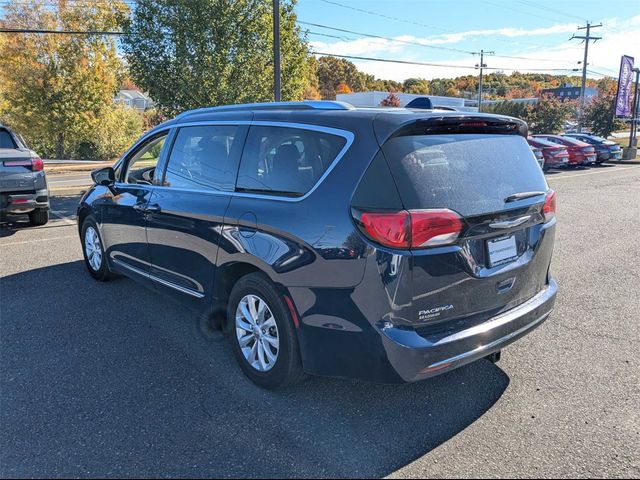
<point x="134" y="99"/>
<point x="373" y="99"/>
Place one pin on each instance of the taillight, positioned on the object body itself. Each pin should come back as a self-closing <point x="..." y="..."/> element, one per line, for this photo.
<point x="389" y="229"/>
<point x="549" y="209"/>
<point x="413" y="228"/>
<point x="430" y="228"/>
<point x="37" y="164"/>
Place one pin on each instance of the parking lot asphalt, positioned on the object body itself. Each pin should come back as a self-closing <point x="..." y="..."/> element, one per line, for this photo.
<point x="111" y="380"/>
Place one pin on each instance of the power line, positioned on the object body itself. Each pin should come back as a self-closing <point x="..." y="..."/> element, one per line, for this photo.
<point x="446" y="30"/>
<point x="519" y="11"/>
<point x="389" y="60"/>
<point x="370" y="35"/>
<point x="546" y="7"/>
<point x="382" y="15"/>
<point x="59" y="32"/>
<point x="428" y="64"/>
<point x="409" y="42"/>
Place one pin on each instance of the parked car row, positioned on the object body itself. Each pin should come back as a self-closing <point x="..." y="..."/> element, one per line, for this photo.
<point x="573" y="149"/>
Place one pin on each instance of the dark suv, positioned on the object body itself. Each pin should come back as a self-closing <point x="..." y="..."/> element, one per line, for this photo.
<point x="384" y="244"/>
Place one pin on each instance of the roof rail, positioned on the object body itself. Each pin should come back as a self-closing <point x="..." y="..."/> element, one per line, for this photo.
<point x="306" y="105"/>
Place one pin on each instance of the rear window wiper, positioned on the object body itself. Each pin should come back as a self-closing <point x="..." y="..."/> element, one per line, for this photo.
<point x="522" y="195"/>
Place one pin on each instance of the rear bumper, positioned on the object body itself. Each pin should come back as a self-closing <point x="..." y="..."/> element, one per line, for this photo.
<point x="20" y="203"/>
<point x="415" y="357"/>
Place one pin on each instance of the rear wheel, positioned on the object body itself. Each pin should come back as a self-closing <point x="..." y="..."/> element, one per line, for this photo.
<point x="39" y="217"/>
<point x="93" y="250"/>
<point x="262" y="333"/>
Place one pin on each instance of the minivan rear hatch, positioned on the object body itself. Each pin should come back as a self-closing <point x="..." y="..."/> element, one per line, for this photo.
<point x="483" y="170"/>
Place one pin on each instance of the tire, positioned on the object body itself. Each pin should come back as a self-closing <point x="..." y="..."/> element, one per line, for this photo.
<point x="39" y="217"/>
<point x="286" y="369"/>
<point x="98" y="269"/>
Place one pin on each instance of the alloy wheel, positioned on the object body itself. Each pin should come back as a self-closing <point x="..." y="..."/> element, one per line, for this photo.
<point x="93" y="248"/>
<point x="257" y="333"/>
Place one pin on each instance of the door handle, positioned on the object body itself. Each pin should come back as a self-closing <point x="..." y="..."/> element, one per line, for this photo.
<point x="144" y="208"/>
<point x="153" y="208"/>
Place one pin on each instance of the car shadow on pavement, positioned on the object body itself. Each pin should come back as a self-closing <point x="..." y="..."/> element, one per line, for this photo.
<point x="111" y="379"/>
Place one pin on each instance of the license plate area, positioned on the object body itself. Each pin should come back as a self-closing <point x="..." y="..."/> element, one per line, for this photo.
<point x="502" y="250"/>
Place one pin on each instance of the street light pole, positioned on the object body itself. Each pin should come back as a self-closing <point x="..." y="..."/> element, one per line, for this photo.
<point x="276" y="50"/>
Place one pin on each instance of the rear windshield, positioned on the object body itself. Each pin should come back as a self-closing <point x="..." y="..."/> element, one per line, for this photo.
<point x="471" y="174"/>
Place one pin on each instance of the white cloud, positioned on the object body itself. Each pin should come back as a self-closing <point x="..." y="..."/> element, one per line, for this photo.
<point x="620" y="37"/>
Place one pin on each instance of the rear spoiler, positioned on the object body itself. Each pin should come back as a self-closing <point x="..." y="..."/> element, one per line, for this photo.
<point x="451" y="124"/>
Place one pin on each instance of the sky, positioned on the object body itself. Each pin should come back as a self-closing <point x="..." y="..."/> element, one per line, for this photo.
<point x="446" y="31"/>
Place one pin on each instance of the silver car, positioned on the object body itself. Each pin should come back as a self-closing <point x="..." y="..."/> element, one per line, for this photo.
<point x="23" y="183"/>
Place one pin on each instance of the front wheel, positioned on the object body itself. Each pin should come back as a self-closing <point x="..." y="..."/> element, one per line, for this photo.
<point x="93" y="251"/>
<point x="262" y="333"/>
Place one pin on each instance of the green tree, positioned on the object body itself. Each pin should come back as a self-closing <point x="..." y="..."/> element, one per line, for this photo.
<point x="600" y="117"/>
<point x="333" y="71"/>
<point x="60" y="86"/>
<point x="550" y="114"/>
<point x="194" y="53"/>
<point x="511" y="109"/>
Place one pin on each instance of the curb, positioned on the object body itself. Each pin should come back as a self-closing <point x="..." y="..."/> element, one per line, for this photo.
<point x="64" y="191"/>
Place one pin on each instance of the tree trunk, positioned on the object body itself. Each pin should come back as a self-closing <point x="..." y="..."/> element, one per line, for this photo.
<point x="60" y="146"/>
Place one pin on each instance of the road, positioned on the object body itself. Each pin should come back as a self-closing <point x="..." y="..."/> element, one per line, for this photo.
<point x="110" y="380"/>
<point x="67" y="180"/>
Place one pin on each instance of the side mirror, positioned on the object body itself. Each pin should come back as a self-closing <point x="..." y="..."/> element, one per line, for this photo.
<point x="104" y="176"/>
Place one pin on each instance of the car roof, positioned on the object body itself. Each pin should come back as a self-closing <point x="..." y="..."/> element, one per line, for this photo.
<point x="542" y="141"/>
<point x="572" y="141"/>
<point x="331" y="114"/>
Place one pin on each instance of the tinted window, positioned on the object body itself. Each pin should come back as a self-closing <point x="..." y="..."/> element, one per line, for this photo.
<point x="6" y="141"/>
<point x="471" y="174"/>
<point x="377" y="190"/>
<point x="205" y="157"/>
<point x="286" y="160"/>
<point x="142" y="165"/>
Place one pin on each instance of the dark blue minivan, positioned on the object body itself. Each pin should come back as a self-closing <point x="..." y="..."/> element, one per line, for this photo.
<point x="388" y="245"/>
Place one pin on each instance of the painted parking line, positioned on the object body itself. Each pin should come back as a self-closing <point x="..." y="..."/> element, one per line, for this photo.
<point x="595" y="172"/>
<point x="34" y="240"/>
<point x="65" y="218"/>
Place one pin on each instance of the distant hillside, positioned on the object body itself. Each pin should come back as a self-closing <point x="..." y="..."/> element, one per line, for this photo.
<point x="337" y="74"/>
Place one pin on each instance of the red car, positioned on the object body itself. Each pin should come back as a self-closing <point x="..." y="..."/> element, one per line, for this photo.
<point x="554" y="155"/>
<point x="580" y="153"/>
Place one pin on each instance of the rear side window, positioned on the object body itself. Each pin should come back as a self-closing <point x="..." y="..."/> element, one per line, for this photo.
<point x="471" y="173"/>
<point x="286" y="161"/>
<point x="205" y="157"/>
<point x="6" y="141"/>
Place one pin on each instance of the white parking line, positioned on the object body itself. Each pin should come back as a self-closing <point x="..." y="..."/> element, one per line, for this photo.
<point x="61" y="216"/>
<point x="24" y="242"/>
<point x="595" y="172"/>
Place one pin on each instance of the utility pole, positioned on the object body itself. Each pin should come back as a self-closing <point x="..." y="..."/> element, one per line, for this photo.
<point x="481" y="66"/>
<point x="276" y="50"/>
<point x="586" y="39"/>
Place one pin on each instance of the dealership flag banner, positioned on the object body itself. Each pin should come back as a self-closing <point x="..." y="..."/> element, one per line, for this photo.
<point x="625" y="79"/>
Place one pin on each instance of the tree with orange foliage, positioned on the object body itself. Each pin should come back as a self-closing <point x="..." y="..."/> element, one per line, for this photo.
<point x="343" y="88"/>
<point x="392" y="100"/>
